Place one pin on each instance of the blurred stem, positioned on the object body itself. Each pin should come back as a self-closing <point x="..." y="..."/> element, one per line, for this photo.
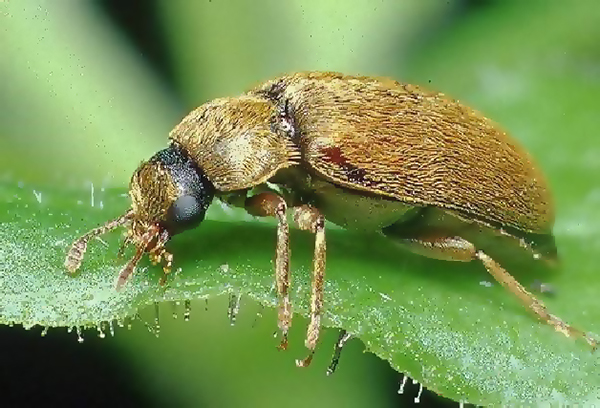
<point x="221" y="48"/>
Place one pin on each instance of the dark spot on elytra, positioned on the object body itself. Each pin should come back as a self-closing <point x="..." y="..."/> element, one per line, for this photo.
<point x="353" y="173"/>
<point x="334" y="155"/>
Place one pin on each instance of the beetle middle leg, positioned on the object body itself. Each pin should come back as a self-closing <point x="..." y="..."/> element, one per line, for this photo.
<point x="310" y="219"/>
<point x="437" y="245"/>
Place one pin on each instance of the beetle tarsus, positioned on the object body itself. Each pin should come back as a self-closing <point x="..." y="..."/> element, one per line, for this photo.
<point x="306" y="362"/>
<point x="283" y="345"/>
<point x="285" y="320"/>
<point x="159" y="254"/>
<point x="167" y="264"/>
<point x="592" y="342"/>
<point x="570" y="331"/>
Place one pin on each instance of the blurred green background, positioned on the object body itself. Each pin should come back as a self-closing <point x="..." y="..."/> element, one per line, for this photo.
<point x="90" y="88"/>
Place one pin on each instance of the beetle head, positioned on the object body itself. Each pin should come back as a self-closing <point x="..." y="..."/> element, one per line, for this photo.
<point x="169" y="194"/>
<point x="169" y="191"/>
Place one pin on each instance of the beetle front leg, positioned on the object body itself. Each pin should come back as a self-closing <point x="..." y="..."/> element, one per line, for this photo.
<point x="310" y="219"/>
<point x="142" y="247"/>
<point x="270" y="204"/>
<point x="159" y="254"/>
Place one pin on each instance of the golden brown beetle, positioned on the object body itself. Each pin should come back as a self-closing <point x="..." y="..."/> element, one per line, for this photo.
<point x="364" y="153"/>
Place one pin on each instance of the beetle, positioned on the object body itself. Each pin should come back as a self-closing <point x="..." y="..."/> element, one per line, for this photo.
<point x="364" y="153"/>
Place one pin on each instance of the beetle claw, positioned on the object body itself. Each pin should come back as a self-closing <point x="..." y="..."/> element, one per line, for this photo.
<point x="591" y="341"/>
<point x="306" y="362"/>
<point x="284" y="342"/>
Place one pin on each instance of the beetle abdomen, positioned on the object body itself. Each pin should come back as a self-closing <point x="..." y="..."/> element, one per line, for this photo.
<point x="419" y="147"/>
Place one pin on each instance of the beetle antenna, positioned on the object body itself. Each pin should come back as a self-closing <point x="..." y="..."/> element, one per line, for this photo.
<point x="77" y="251"/>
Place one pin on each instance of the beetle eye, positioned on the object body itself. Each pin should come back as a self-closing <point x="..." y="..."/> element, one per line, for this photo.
<point x="194" y="190"/>
<point x="185" y="213"/>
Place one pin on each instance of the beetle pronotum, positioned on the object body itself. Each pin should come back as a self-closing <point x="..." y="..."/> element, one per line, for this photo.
<point x="364" y="153"/>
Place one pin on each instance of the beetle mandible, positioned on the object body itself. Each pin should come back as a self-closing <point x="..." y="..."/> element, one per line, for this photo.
<point x="364" y="153"/>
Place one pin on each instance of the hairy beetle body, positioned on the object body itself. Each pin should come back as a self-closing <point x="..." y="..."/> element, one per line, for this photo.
<point x="365" y="153"/>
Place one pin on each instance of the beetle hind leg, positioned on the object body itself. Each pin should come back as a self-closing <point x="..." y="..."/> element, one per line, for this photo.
<point x="530" y="301"/>
<point x="453" y="248"/>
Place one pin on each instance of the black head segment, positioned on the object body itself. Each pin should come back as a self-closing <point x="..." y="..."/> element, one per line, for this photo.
<point x="196" y="192"/>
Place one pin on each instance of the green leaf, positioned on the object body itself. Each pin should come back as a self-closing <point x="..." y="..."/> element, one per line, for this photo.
<point x="432" y="320"/>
